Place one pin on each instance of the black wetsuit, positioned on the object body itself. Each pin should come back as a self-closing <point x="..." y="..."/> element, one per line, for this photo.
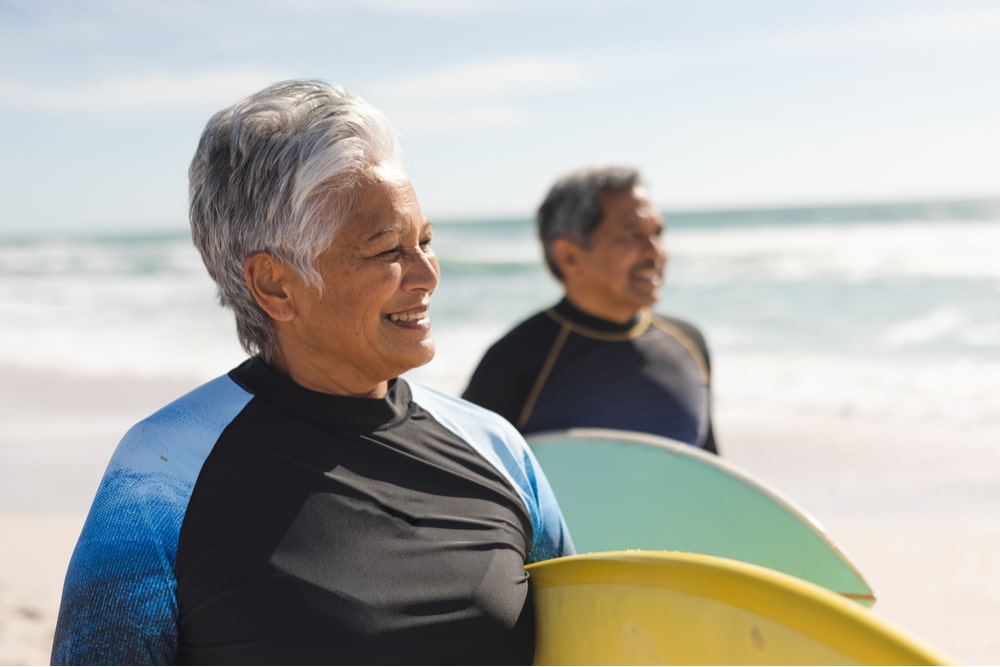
<point x="255" y="521"/>
<point x="562" y="369"/>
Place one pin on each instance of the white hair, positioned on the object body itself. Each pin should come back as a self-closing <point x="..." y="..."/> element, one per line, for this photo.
<point x="277" y="173"/>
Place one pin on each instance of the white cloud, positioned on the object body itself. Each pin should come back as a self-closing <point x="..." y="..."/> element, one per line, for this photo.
<point x="509" y="76"/>
<point x="453" y="120"/>
<point x="198" y="10"/>
<point x="154" y="92"/>
<point x="433" y="6"/>
<point x="462" y="7"/>
<point x="918" y="28"/>
<point x="475" y="96"/>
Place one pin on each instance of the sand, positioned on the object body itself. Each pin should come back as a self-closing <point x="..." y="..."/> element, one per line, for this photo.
<point x="916" y="506"/>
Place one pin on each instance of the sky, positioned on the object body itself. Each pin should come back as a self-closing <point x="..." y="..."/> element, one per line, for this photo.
<point x="721" y="104"/>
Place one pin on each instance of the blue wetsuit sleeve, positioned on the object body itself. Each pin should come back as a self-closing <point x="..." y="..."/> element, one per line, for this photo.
<point x="501" y="444"/>
<point x="119" y="603"/>
<point x="552" y="537"/>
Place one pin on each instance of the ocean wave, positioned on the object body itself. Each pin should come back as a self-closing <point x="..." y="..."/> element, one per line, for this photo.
<point x="964" y="250"/>
<point x="868" y="318"/>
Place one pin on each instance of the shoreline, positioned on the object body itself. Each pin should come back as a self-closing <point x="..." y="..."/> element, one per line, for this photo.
<point x="913" y="505"/>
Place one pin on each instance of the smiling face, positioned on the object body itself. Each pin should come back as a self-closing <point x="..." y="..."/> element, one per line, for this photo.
<point x="370" y="323"/>
<point x="620" y="272"/>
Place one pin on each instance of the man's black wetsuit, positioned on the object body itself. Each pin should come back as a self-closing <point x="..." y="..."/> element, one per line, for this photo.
<point x="562" y="369"/>
<point x="255" y="521"/>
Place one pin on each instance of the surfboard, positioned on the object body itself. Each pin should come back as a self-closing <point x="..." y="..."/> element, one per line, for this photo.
<point x="625" y="490"/>
<point x="662" y="608"/>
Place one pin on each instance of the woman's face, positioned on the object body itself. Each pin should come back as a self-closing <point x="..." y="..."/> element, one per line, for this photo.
<point x="371" y="322"/>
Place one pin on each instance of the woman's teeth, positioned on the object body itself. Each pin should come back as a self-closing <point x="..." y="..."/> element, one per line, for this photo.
<point x="405" y="317"/>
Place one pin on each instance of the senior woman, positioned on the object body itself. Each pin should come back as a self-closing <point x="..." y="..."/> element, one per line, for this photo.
<point x="311" y="506"/>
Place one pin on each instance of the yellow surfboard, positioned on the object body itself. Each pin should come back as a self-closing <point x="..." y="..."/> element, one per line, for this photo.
<point x="663" y="608"/>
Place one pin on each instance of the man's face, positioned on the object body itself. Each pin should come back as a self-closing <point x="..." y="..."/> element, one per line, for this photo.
<point x="621" y="272"/>
<point x="371" y="323"/>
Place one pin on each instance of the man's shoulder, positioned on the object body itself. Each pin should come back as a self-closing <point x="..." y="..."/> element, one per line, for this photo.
<point x="539" y="320"/>
<point x="687" y="334"/>
<point x="528" y="330"/>
<point x="686" y="327"/>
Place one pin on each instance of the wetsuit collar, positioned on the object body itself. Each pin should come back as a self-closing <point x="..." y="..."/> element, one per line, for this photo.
<point x="571" y="312"/>
<point x="350" y="412"/>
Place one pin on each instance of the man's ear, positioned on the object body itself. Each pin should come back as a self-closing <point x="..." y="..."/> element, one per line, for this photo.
<point x="566" y="255"/>
<point x="269" y="281"/>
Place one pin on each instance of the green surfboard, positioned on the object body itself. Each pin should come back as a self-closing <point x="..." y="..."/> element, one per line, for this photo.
<point x="623" y="490"/>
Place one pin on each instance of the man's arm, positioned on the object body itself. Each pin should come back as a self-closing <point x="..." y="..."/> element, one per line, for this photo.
<point x="496" y="385"/>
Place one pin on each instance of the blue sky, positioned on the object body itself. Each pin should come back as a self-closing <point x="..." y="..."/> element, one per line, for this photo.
<point x="720" y="103"/>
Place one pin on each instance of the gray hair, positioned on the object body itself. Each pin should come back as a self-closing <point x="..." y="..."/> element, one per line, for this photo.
<point x="276" y="173"/>
<point x="572" y="209"/>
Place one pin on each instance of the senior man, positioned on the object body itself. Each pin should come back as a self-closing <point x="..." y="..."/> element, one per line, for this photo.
<point x="601" y="357"/>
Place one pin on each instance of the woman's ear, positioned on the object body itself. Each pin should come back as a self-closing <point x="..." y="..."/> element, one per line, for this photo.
<point x="269" y="282"/>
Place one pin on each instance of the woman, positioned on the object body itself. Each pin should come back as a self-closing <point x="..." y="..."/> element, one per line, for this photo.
<point x="310" y="506"/>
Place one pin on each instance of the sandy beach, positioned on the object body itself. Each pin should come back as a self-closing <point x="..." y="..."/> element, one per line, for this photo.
<point x="915" y="506"/>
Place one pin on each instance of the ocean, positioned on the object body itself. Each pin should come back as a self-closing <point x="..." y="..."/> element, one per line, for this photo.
<point x="875" y="311"/>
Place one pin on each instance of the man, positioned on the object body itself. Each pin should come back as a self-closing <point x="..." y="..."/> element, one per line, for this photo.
<point x="600" y="357"/>
<point x="310" y="506"/>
